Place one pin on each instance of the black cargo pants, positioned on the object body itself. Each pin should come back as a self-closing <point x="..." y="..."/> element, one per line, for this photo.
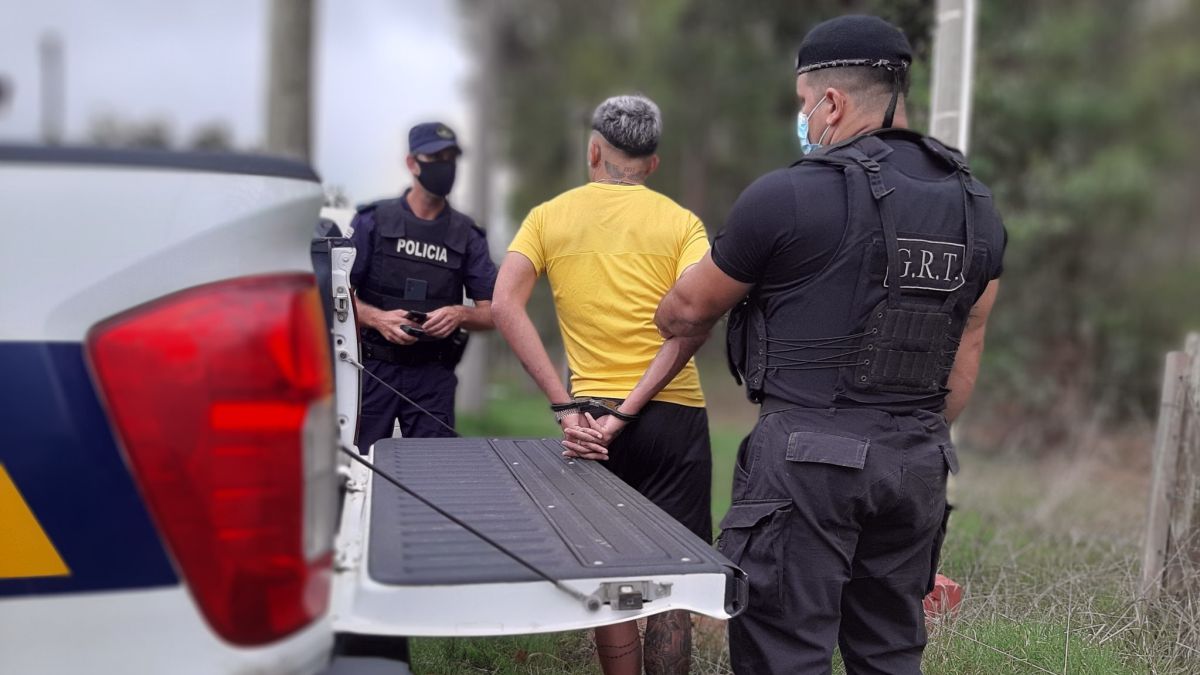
<point x="838" y="518"/>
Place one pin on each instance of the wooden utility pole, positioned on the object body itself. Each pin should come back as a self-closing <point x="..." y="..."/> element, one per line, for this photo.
<point x="50" y="52"/>
<point x="5" y="91"/>
<point x="289" y="79"/>
<point x="473" y="371"/>
<point x="953" y="72"/>
<point x="950" y="122"/>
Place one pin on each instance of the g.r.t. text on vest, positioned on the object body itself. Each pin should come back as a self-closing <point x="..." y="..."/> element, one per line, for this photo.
<point x="930" y="265"/>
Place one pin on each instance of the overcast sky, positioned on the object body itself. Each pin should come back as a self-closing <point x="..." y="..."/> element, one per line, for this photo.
<point x="381" y="65"/>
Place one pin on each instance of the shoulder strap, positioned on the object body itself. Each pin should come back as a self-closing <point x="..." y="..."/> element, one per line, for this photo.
<point x="862" y="153"/>
<point x="458" y="231"/>
<point x="389" y="218"/>
<point x="879" y="190"/>
<point x="865" y="152"/>
<point x="958" y="163"/>
<point x="951" y="158"/>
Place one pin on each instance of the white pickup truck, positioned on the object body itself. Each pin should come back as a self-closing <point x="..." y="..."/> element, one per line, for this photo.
<point x="171" y="495"/>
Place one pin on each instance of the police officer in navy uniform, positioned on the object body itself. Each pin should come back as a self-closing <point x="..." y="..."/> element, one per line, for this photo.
<point x="863" y="277"/>
<point x="415" y="257"/>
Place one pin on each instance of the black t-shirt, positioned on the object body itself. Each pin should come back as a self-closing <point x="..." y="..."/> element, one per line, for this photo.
<point x="786" y="227"/>
<point x="818" y="266"/>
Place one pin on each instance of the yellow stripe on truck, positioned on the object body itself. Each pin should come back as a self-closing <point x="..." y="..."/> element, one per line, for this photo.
<point x="25" y="550"/>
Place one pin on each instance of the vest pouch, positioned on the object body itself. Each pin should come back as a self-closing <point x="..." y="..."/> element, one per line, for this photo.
<point x="745" y="347"/>
<point x="456" y="346"/>
<point x="904" y="351"/>
<point x="735" y="341"/>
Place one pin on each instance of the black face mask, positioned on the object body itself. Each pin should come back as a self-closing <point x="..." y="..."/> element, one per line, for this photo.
<point x="437" y="177"/>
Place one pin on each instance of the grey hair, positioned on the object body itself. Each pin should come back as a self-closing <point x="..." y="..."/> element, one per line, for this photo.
<point x="631" y="123"/>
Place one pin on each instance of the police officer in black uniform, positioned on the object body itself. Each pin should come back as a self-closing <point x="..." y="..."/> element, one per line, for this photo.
<point x="415" y="257"/>
<point x="863" y="276"/>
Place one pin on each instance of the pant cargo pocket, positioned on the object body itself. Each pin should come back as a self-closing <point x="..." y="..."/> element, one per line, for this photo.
<point x="754" y="537"/>
<point x="936" y="554"/>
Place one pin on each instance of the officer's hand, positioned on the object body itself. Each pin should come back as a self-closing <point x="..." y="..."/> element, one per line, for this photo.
<point x="388" y="324"/>
<point x="580" y="440"/>
<point x="445" y="320"/>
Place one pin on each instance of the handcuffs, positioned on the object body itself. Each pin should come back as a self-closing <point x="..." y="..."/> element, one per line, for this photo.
<point x="598" y="407"/>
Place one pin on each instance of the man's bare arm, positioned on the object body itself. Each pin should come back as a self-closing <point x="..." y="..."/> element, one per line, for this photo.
<point x="445" y="320"/>
<point x="966" y="362"/>
<point x="672" y="356"/>
<point x="479" y="317"/>
<point x="514" y="285"/>
<point x="702" y="294"/>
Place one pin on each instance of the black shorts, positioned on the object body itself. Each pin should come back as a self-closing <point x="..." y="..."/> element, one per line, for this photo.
<point x="666" y="456"/>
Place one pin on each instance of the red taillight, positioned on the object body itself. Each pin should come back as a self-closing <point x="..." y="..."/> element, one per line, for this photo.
<point x="220" y="396"/>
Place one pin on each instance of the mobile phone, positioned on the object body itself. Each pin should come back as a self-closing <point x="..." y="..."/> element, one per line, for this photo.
<point x="419" y="317"/>
<point x="418" y="333"/>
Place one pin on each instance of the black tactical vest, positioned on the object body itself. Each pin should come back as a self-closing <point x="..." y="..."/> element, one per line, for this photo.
<point x="416" y="264"/>
<point x="880" y="325"/>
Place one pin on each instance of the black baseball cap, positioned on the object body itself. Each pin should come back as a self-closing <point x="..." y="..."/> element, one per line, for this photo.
<point x="854" y="40"/>
<point x="431" y="137"/>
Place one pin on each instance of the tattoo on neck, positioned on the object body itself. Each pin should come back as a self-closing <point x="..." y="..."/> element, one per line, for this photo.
<point x="618" y="172"/>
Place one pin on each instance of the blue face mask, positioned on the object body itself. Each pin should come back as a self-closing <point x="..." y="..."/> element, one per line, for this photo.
<point x="807" y="146"/>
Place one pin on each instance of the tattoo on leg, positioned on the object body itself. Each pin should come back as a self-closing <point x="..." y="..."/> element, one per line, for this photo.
<point x="668" y="648"/>
<point x="622" y="655"/>
<point x="619" y="648"/>
<point x="624" y="646"/>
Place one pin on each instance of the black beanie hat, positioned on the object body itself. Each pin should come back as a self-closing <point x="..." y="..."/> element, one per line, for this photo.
<point x="854" y="40"/>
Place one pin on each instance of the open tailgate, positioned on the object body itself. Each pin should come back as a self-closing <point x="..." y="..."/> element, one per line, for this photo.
<point x="404" y="569"/>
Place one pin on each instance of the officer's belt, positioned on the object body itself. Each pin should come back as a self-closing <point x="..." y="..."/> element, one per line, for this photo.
<point x="772" y="404"/>
<point x="418" y="354"/>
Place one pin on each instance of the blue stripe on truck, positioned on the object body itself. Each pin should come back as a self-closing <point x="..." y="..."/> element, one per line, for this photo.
<point x="58" y="448"/>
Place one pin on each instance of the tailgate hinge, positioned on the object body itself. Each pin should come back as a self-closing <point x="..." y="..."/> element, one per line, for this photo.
<point x="347" y="557"/>
<point x="341" y="302"/>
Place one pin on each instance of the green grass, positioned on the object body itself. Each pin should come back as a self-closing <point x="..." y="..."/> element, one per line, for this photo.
<point x="1000" y="646"/>
<point x="511" y="414"/>
<point x="568" y="653"/>
<point x="725" y="441"/>
<point x="1047" y="554"/>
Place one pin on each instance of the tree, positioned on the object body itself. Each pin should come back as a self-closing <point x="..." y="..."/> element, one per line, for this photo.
<point x="1087" y="161"/>
<point x="110" y="130"/>
<point x="114" y="131"/>
<point x="1083" y="127"/>
<point x="336" y="197"/>
<point x="213" y="137"/>
<point x="723" y="74"/>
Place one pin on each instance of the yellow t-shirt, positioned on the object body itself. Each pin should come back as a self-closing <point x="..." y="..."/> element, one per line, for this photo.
<point x="611" y="252"/>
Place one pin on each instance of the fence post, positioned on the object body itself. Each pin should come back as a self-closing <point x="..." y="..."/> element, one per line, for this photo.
<point x="1171" y="545"/>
